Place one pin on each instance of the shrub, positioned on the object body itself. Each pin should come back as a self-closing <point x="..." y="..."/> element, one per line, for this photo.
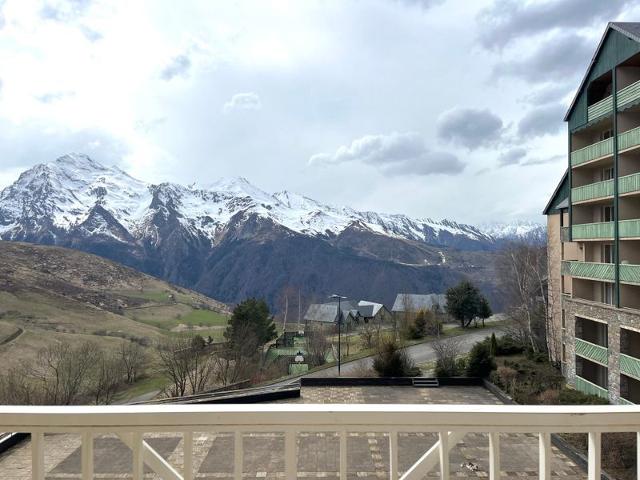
<point x="569" y="396"/>
<point x="480" y="363"/>
<point x="391" y="361"/>
<point x="549" y="397"/>
<point x="506" y="377"/>
<point x="493" y="346"/>
<point x="447" y="351"/>
<point x="508" y="346"/>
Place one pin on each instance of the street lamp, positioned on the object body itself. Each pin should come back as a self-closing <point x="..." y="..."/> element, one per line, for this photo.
<point x="339" y="297"/>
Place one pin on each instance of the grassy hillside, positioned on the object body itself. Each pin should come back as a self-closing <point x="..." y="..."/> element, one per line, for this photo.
<point x="49" y="293"/>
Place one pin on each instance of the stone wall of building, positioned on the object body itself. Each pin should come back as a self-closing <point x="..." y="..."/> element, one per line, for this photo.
<point x="615" y="318"/>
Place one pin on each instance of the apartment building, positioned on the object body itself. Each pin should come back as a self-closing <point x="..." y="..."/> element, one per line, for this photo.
<point x="593" y="222"/>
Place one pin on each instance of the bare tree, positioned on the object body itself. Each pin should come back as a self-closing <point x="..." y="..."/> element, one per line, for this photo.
<point x="447" y="352"/>
<point x="17" y="388"/>
<point x="106" y="376"/>
<point x="133" y="358"/>
<point x="317" y="345"/>
<point x="62" y="371"/>
<point x="522" y="272"/>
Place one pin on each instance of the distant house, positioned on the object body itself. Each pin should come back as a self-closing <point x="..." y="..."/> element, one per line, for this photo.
<point x="413" y="302"/>
<point x="327" y="313"/>
<point x="373" y="312"/>
<point x="353" y="313"/>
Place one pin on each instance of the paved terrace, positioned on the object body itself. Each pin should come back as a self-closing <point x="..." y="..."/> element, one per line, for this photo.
<point x="318" y="453"/>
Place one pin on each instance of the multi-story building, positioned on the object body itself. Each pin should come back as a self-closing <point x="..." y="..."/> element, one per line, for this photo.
<point x="594" y="227"/>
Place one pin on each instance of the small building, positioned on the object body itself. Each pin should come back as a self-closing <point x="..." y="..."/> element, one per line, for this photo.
<point x="414" y="302"/>
<point x="327" y="313"/>
<point x="373" y="312"/>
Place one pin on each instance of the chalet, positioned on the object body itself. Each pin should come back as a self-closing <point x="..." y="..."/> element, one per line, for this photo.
<point x="413" y="302"/>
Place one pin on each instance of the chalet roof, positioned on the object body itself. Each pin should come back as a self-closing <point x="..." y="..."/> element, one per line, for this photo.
<point x="560" y="196"/>
<point x="629" y="29"/>
<point x="328" y="312"/>
<point x="417" y="302"/>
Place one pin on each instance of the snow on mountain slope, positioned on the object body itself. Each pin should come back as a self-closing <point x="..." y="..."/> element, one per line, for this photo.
<point x="75" y="192"/>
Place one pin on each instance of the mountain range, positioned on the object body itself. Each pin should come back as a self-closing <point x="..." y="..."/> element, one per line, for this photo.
<point x="230" y="239"/>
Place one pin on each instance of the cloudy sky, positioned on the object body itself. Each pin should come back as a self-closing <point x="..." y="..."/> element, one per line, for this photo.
<point x="433" y="108"/>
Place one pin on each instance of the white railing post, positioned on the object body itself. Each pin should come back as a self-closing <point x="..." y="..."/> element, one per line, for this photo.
<point x="343" y="455"/>
<point x="443" y="437"/>
<point x="187" y="452"/>
<point x="87" y="456"/>
<point x="393" y="456"/>
<point x="137" y="470"/>
<point x="544" y="462"/>
<point x="290" y="455"/>
<point x="238" y="456"/>
<point x="494" y="456"/>
<point x="594" y="456"/>
<point x="37" y="456"/>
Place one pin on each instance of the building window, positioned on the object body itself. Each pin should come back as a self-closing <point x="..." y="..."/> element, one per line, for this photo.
<point x="607" y="173"/>
<point x="564" y="353"/>
<point x="606" y="134"/>
<point x="607" y="293"/>
<point x="607" y="253"/>
<point x="564" y="320"/>
<point x="607" y="213"/>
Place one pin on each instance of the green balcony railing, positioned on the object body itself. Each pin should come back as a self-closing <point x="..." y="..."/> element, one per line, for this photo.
<point x="589" y="270"/>
<point x="629" y="183"/>
<point x="591" y="152"/>
<point x="593" y="352"/>
<point x="630" y="273"/>
<point x="629" y="228"/>
<point x="585" y="386"/>
<point x="630" y="366"/>
<point x="592" y="191"/>
<point x="629" y="139"/>
<point x="592" y="231"/>
<point x="628" y="94"/>
<point x="624" y="401"/>
<point x="601" y="108"/>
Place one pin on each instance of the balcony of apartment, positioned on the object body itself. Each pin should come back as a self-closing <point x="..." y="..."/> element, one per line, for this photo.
<point x="170" y="441"/>
<point x="629" y="366"/>
<point x="628" y="83"/>
<point x="604" y="272"/>
<point x="591" y="378"/>
<point x="591" y="341"/>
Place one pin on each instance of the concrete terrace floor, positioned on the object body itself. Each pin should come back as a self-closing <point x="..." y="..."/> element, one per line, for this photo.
<point x="318" y="456"/>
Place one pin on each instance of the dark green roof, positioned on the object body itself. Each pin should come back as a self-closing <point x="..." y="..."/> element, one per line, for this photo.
<point x="560" y="198"/>
<point x="620" y="41"/>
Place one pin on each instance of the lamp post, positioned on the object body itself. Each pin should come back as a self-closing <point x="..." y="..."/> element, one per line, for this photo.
<point x="339" y="297"/>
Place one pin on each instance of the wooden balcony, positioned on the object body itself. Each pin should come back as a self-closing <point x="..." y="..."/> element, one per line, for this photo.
<point x="589" y="270"/>
<point x="450" y="422"/>
<point x="591" y="152"/>
<point x="630" y="274"/>
<point x="592" y="231"/>
<point x="593" y="352"/>
<point x="585" y="386"/>
<point x="630" y="366"/>
<point x="592" y="191"/>
<point x="628" y="95"/>
<point x="629" y="228"/>
<point x="600" y="109"/>
<point x="629" y="139"/>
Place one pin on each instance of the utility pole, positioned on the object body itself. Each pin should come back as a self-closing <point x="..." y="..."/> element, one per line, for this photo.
<point x="339" y="297"/>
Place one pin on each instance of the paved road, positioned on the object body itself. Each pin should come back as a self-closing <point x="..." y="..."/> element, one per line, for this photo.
<point x="421" y="353"/>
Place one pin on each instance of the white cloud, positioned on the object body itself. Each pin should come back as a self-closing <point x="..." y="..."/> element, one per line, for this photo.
<point x="242" y="101"/>
<point x="395" y="153"/>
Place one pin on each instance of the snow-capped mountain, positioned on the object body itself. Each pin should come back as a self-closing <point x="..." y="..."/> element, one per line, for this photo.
<point x="67" y="193"/>
<point x="231" y="239"/>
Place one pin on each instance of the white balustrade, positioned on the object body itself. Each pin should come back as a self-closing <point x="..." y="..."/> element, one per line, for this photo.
<point x="449" y="422"/>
